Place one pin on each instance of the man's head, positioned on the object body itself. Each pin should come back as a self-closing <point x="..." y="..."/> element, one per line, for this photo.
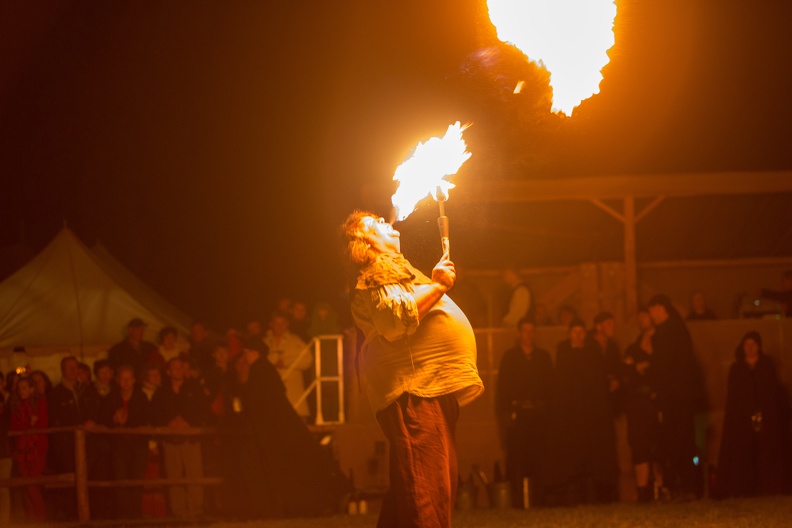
<point x="125" y="377"/>
<point x="168" y="336"/>
<point x="605" y="324"/>
<point x="103" y="372"/>
<point x="577" y="333"/>
<point x="176" y="369"/>
<point x="660" y="309"/>
<point x="152" y="376"/>
<point x="279" y="324"/>
<point x="698" y="302"/>
<point x="644" y="319"/>
<point x="135" y="330"/>
<point x="566" y="314"/>
<point x="525" y="331"/>
<point x="253" y="327"/>
<point x="299" y="311"/>
<point x="70" y="369"/>
<point x="198" y="332"/>
<point x="365" y="235"/>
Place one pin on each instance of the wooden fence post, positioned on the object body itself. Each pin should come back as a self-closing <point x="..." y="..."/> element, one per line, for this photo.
<point x="81" y="476"/>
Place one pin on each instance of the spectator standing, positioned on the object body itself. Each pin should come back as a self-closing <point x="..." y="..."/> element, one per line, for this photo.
<point x="6" y="462"/>
<point x="67" y="407"/>
<point x="99" y="446"/>
<point x="133" y="350"/>
<point x="680" y="396"/>
<point x="200" y="344"/>
<point x="520" y="303"/>
<point x="581" y="459"/>
<point x="41" y="383"/>
<point x="284" y="352"/>
<point x="522" y="398"/>
<point x="29" y="411"/>
<point x="153" y="500"/>
<point x="168" y="347"/>
<point x="181" y="404"/>
<point x="753" y="458"/>
<point x="602" y="338"/>
<point x="640" y="408"/>
<point x="298" y="320"/>
<point x="128" y="407"/>
<point x="698" y="308"/>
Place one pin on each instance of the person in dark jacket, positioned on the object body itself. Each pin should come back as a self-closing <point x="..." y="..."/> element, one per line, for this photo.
<point x="580" y="465"/>
<point x="181" y="404"/>
<point x="521" y="405"/>
<point x="133" y="350"/>
<point x="298" y="475"/>
<point x="752" y="457"/>
<point x="679" y="383"/>
<point x="127" y="406"/>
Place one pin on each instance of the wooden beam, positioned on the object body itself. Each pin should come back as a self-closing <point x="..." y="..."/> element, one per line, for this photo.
<point x="605" y="187"/>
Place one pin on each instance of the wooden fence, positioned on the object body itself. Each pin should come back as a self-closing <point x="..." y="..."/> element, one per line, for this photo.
<point x="79" y="479"/>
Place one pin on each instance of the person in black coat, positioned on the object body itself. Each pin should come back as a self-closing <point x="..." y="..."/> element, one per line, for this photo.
<point x="296" y="473"/>
<point x="679" y="383"/>
<point x="127" y="406"/>
<point x="580" y="465"/>
<point x="752" y="457"/>
<point x="522" y="396"/>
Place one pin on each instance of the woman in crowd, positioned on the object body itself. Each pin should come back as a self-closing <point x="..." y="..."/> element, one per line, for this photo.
<point x="752" y="457"/>
<point x="640" y="408"/>
<point x="41" y="383"/>
<point x="29" y="411"/>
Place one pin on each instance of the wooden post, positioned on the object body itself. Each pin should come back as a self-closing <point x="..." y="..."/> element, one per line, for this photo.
<point x="630" y="263"/>
<point x="318" y="367"/>
<point x="81" y="476"/>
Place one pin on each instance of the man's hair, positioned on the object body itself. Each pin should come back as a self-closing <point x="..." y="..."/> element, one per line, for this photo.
<point x="166" y="330"/>
<point x="357" y="251"/>
<point x="602" y="317"/>
<point x="122" y="368"/>
<point x="100" y="364"/>
<point x="524" y="320"/>
<point x="68" y="358"/>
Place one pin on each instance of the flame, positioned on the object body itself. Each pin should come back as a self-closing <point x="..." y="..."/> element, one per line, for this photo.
<point x="568" y="37"/>
<point x="425" y="172"/>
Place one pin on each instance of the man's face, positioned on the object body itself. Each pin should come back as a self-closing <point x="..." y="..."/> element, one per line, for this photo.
<point x="577" y="336"/>
<point x="136" y="333"/>
<point x="607" y="328"/>
<point x="526" y="334"/>
<point x="381" y="235"/>
<point x="644" y="320"/>
<point x="254" y="328"/>
<point x="279" y="326"/>
<point x="658" y="313"/>
<point x="126" y="380"/>
<point x="176" y="370"/>
<point x="104" y="375"/>
<point x="154" y="377"/>
<point x="198" y="333"/>
<point x="70" y="370"/>
<point x="299" y="311"/>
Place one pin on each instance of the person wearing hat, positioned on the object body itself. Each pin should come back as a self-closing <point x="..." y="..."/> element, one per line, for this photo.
<point x="133" y="350"/>
<point x="679" y="384"/>
<point x="295" y="477"/>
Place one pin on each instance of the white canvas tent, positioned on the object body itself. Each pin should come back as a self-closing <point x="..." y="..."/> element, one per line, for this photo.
<point x="68" y="300"/>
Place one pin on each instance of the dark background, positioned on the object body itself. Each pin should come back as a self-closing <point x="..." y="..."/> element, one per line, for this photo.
<point x="213" y="147"/>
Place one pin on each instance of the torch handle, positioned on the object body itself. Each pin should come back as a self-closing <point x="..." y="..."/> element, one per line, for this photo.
<point x="443" y="225"/>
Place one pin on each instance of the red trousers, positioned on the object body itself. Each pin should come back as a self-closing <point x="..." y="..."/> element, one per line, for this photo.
<point x="423" y="464"/>
<point x="32" y="465"/>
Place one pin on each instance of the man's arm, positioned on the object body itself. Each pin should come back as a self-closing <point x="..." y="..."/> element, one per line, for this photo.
<point x="427" y="295"/>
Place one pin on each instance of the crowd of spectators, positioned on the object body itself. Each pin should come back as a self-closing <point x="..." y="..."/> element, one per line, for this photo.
<point x="558" y="418"/>
<point x="238" y="385"/>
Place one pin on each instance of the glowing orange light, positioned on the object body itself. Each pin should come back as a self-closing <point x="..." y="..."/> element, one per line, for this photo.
<point x="570" y="38"/>
<point x="426" y="172"/>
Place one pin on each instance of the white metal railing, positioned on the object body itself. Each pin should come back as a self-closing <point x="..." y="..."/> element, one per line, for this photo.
<point x="315" y="346"/>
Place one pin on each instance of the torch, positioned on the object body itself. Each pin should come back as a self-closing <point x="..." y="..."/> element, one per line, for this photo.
<point x="426" y="173"/>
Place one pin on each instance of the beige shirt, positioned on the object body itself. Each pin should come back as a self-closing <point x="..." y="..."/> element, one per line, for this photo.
<point x="427" y="358"/>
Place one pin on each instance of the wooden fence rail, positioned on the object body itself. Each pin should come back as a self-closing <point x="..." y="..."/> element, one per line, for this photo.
<point x="79" y="479"/>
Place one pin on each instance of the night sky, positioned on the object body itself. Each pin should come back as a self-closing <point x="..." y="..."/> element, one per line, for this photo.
<point x="213" y="147"/>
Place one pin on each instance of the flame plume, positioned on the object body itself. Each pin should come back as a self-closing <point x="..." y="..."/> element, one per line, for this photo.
<point x="426" y="171"/>
<point x="570" y="38"/>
